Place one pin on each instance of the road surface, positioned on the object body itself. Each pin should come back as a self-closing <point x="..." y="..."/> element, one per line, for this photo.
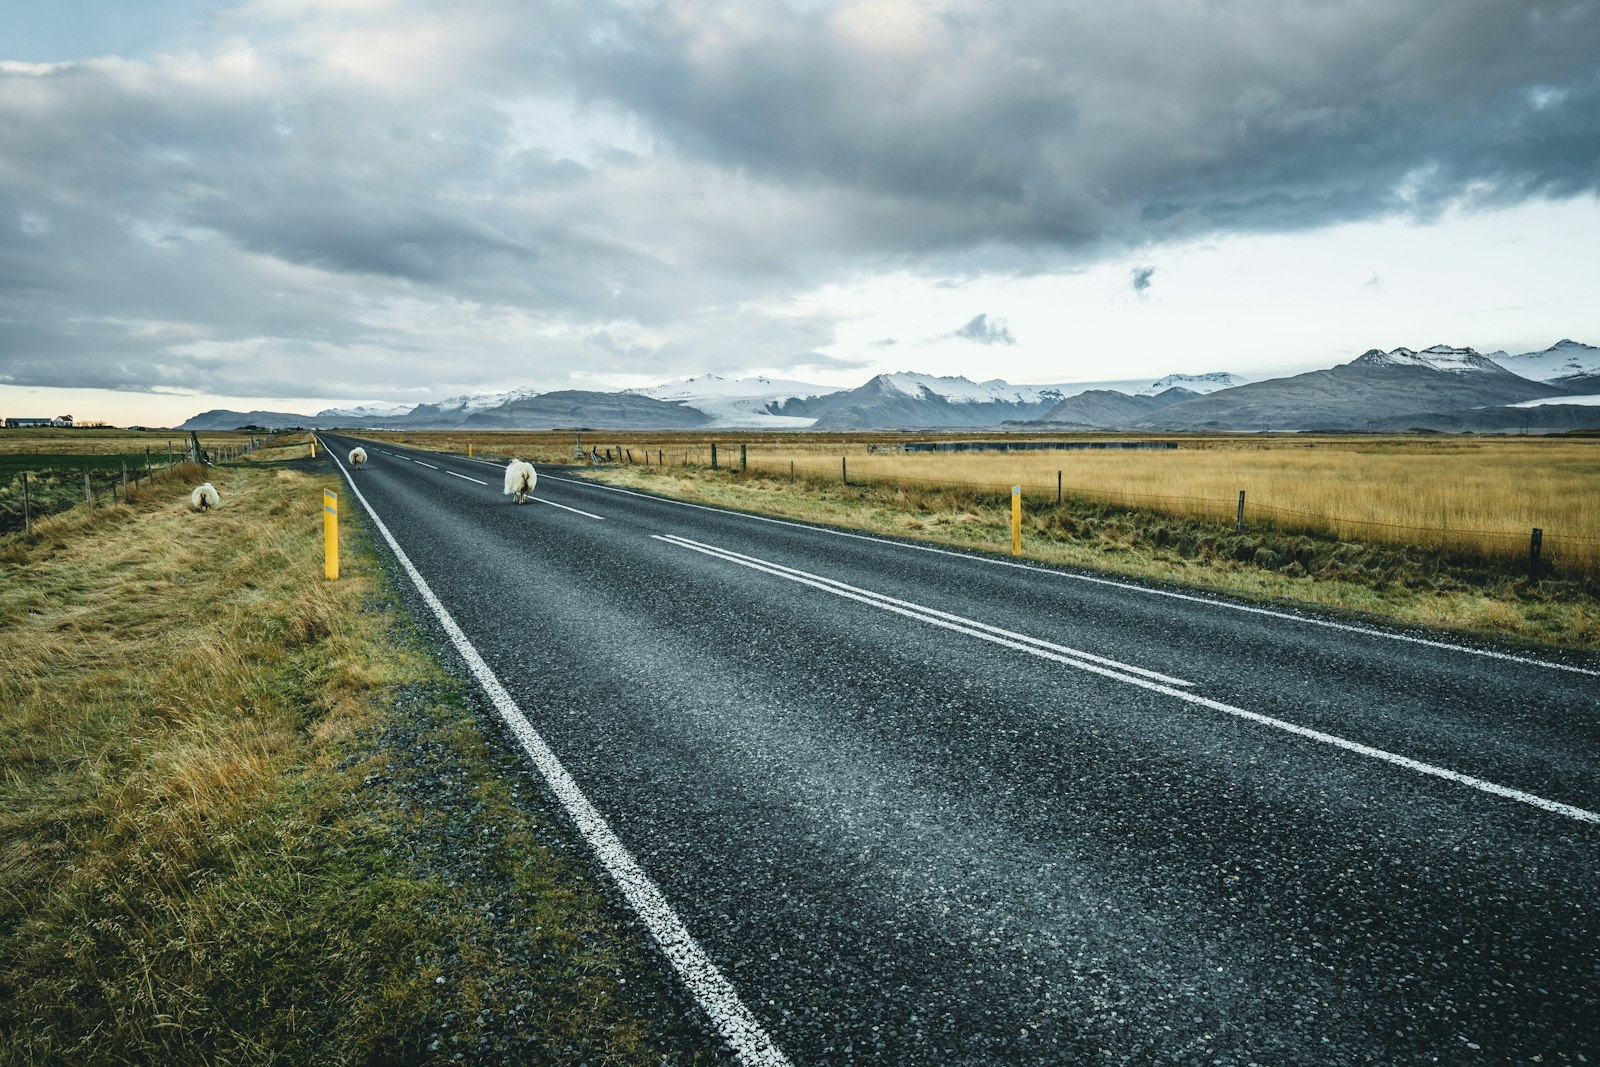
<point x="882" y="804"/>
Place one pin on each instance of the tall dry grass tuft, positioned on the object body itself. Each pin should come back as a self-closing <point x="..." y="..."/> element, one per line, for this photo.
<point x="192" y="867"/>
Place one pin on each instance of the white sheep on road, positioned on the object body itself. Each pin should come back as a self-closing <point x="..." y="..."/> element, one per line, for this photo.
<point x="520" y="480"/>
<point x="204" y="497"/>
<point x="358" y="456"/>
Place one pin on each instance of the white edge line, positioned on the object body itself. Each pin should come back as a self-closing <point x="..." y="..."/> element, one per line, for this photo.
<point x="464" y="478"/>
<point x="962" y="620"/>
<point x="1482" y="784"/>
<point x="715" y="994"/>
<point x="430" y="466"/>
<point x="1209" y="601"/>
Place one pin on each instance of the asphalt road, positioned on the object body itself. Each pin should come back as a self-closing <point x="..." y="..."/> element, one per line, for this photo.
<point x="922" y="807"/>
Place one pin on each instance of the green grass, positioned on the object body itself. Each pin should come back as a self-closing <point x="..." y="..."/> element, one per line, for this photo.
<point x="15" y="463"/>
<point x="246" y="815"/>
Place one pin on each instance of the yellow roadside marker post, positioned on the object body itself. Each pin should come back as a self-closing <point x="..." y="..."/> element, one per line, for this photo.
<point x="469" y="449"/>
<point x="313" y="448"/>
<point x="1016" y="520"/>
<point x="330" y="534"/>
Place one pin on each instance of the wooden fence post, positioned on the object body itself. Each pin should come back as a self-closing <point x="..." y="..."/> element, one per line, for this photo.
<point x="1535" y="544"/>
<point x="1058" y="489"/>
<point x="713" y="455"/>
<point x="744" y="463"/>
<point x="27" y="506"/>
<point x="844" y="471"/>
<point x="1238" y="523"/>
<point x="88" y="493"/>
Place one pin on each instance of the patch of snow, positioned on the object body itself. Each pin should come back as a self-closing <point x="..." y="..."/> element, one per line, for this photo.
<point x="960" y="390"/>
<point x="1195" y="383"/>
<point x="365" y="411"/>
<point x="1439" y="357"/>
<point x="738" y="401"/>
<point x="1591" y="400"/>
<point x="1561" y="360"/>
<point x="473" y="402"/>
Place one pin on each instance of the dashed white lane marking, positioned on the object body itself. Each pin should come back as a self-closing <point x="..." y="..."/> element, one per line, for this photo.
<point x="1009" y="638"/>
<point x="967" y="626"/>
<point x="563" y="507"/>
<point x="430" y="466"/>
<point x="464" y="478"/>
<point x="715" y="994"/>
<point x="1129" y="586"/>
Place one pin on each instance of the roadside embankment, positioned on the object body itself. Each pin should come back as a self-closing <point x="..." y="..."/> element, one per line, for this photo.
<point x="248" y="815"/>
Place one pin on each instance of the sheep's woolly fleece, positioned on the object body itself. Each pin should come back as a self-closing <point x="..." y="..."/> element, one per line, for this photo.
<point x="520" y="479"/>
<point x="204" y="497"/>
<point x="358" y="456"/>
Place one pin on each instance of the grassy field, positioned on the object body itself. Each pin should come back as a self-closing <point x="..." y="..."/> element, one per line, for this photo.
<point x="1429" y="531"/>
<point x="247" y="817"/>
<point x="56" y="462"/>
<point x="1479" y="497"/>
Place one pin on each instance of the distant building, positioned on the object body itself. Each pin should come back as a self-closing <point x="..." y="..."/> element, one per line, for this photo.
<point x="22" y="424"/>
<point x="61" y="420"/>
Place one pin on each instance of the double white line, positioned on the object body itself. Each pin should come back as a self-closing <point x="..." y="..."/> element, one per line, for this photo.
<point x="1072" y="657"/>
<point x="1122" y="672"/>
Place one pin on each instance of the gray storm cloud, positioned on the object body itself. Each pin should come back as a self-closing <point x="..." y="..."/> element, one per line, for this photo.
<point x="292" y="211"/>
<point x="985" y="331"/>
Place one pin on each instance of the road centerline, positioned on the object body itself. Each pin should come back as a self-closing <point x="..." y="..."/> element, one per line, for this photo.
<point x="967" y="627"/>
<point x="1094" y="580"/>
<point x="563" y="507"/>
<point x="923" y="609"/>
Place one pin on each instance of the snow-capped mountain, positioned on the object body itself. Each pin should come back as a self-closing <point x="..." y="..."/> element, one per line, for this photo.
<point x="1566" y="359"/>
<point x="739" y="401"/>
<point x="909" y="400"/>
<point x="366" y="411"/>
<point x="1439" y="357"/>
<point x="956" y="389"/>
<point x="1195" y="383"/>
<point x="475" y="402"/>
<point x="1398" y="389"/>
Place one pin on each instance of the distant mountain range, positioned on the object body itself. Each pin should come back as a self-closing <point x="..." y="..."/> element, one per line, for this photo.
<point x="1438" y="388"/>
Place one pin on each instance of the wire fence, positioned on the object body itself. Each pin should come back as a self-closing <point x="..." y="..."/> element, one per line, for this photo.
<point x="1543" y="549"/>
<point x="45" y="490"/>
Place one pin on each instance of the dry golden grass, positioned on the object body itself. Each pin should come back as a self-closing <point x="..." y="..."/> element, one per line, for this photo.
<point x="1480" y="495"/>
<point x="86" y="442"/>
<point x="195" y="866"/>
<point x="1406" y="585"/>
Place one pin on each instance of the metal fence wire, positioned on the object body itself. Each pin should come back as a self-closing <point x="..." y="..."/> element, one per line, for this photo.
<point x="1574" y="552"/>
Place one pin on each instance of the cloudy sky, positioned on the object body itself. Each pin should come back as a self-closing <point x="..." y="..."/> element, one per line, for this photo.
<point x="294" y="204"/>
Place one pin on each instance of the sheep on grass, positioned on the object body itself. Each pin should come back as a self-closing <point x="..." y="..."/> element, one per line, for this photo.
<point x="204" y="497"/>
<point x="520" y="480"/>
<point x="358" y="456"/>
